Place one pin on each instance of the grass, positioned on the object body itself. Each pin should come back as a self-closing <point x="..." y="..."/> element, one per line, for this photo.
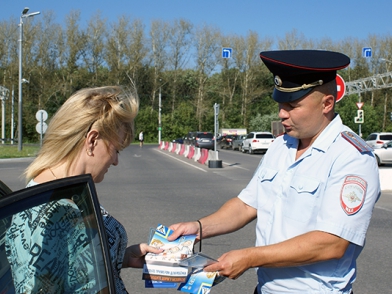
<point x="11" y="151"/>
<point x="28" y="150"/>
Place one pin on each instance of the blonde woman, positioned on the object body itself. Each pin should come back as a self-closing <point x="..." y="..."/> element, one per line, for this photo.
<point x="83" y="137"/>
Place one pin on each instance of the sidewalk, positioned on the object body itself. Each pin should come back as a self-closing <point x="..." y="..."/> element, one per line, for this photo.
<point x="386" y="179"/>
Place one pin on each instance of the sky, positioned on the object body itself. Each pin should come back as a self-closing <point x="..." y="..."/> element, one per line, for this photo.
<point x="314" y="19"/>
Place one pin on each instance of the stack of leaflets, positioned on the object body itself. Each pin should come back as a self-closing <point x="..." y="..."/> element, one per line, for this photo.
<point x="177" y="264"/>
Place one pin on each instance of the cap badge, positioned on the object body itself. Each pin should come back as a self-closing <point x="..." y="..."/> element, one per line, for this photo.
<point x="278" y="81"/>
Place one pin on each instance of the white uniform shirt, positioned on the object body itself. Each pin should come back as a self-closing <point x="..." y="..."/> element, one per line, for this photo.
<point x="332" y="187"/>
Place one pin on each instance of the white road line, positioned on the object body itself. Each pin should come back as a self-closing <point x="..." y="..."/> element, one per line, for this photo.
<point x="233" y="165"/>
<point x="182" y="161"/>
<point x="383" y="208"/>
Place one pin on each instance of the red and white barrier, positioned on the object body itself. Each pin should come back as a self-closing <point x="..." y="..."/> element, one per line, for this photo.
<point x="204" y="156"/>
<point x="191" y="152"/>
<point x="199" y="155"/>
<point x="182" y="149"/>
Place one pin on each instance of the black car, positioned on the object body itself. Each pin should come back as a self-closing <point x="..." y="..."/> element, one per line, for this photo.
<point x="178" y="140"/>
<point x="226" y="141"/>
<point x="66" y="206"/>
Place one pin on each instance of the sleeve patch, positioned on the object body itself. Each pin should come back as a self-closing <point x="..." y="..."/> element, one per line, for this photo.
<point x="352" y="195"/>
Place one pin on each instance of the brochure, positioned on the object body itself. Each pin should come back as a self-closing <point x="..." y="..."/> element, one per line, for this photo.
<point x="174" y="251"/>
<point x="164" y="273"/>
<point x="198" y="282"/>
<point x="176" y="264"/>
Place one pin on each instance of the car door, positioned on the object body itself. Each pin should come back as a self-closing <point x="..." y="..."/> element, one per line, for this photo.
<point x="247" y="141"/>
<point x="387" y="154"/>
<point x="54" y="232"/>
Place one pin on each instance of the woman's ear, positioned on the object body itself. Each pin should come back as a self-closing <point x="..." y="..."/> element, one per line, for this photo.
<point x="92" y="139"/>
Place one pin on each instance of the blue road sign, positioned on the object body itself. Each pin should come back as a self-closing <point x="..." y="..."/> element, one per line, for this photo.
<point x="226" y="52"/>
<point x="366" y="52"/>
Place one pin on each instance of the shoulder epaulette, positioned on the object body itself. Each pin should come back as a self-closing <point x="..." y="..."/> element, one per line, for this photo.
<point x="356" y="141"/>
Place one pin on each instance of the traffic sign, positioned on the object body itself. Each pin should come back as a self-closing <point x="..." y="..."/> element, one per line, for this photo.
<point x="359" y="119"/>
<point x="226" y="52"/>
<point x="359" y="105"/>
<point x="41" y="127"/>
<point x="366" y="52"/>
<point x="41" y="115"/>
<point x="341" y="87"/>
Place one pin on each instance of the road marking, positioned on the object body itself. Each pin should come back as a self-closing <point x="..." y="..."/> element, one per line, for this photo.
<point x="383" y="208"/>
<point x="234" y="165"/>
<point x="182" y="161"/>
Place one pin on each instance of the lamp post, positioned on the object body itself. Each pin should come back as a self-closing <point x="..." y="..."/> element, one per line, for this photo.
<point x="159" y="117"/>
<point x="24" y="15"/>
<point x="160" y="112"/>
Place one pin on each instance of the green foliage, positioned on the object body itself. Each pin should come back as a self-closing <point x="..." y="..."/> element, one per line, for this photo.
<point x="262" y="123"/>
<point x="347" y="110"/>
<point x="61" y="60"/>
<point x="147" y="121"/>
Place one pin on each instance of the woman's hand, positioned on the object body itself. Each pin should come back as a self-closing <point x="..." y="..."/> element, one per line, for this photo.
<point x="134" y="255"/>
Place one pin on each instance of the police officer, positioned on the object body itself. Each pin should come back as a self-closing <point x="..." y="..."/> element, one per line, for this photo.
<point x="313" y="193"/>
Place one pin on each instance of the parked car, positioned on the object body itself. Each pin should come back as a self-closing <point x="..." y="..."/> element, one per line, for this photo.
<point x="377" y="140"/>
<point x="226" y="141"/>
<point x="72" y="200"/>
<point x="384" y="154"/>
<point x="203" y="140"/>
<point x="189" y="138"/>
<point x="257" y="141"/>
<point x="178" y="140"/>
<point x="237" y="142"/>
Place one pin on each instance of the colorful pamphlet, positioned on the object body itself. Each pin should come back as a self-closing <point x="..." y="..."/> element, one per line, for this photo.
<point x="198" y="282"/>
<point x="177" y="264"/>
<point x="173" y="251"/>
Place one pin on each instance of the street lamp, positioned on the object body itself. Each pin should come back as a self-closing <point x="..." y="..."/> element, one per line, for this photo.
<point x="160" y="112"/>
<point x="159" y="116"/>
<point x="21" y="81"/>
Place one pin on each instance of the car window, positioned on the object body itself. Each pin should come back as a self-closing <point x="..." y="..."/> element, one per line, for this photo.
<point x="51" y="240"/>
<point x="371" y="137"/>
<point x="4" y="189"/>
<point x="250" y="136"/>
<point x="386" y="137"/>
<point x="264" y="136"/>
<point x="205" y="135"/>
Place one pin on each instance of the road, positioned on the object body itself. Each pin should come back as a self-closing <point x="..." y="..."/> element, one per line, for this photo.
<point x="151" y="186"/>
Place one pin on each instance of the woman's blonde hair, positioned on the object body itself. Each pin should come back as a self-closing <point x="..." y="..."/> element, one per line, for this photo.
<point x="107" y="109"/>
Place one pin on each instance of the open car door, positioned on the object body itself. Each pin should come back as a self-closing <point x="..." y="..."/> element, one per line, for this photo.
<point x="52" y="239"/>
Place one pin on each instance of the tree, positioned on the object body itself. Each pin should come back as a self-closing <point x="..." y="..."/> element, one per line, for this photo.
<point x="159" y="34"/>
<point x="179" y="43"/>
<point x="207" y="51"/>
<point x="263" y="123"/>
<point x="94" y="55"/>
